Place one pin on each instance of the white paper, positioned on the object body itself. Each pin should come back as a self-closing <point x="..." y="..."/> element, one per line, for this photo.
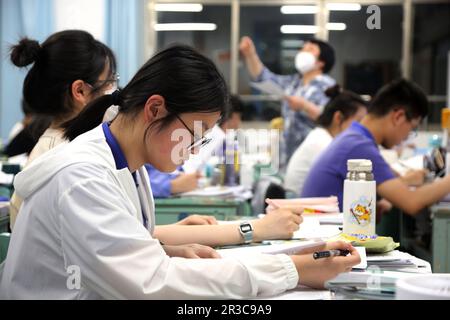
<point x="362" y="253"/>
<point x="300" y="293"/>
<point x="217" y="191"/>
<point x="311" y="228"/>
<point x="413" y="163"/>
<point x="269" y="87"/>
<point x="287" y="248"/>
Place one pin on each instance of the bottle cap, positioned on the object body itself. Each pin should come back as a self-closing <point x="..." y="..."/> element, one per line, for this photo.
<point x="359" y="165"/>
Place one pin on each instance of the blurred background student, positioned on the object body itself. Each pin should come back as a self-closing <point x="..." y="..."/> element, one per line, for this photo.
<point x="393" y="115"/>
<point x="343" y="108"/>
<point x="305" y="90"/>
<point x="26" y="133"/>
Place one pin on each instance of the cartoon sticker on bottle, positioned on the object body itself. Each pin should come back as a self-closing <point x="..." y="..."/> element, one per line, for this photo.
<point x="361" y="211"/>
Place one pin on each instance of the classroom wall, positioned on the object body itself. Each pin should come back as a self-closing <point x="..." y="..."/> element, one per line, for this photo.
<point x="17" y="19"/>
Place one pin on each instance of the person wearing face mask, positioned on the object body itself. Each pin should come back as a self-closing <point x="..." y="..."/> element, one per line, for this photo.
<point x="305" y="91"/>
<point x="88" y="207"/>
<point x="394" y="113"/>
<point x="69" y="69"/>
<point x="338" y="114"/>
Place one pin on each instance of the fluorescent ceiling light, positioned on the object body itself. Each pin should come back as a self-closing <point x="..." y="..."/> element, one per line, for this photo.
<point x="299" y="29"/>
<point x="336" y="26"/>
<point x="179" y="7"/>
<point x="344" y="6"/>
<point x="185" y="26"/>
<point x="299" y="9"/>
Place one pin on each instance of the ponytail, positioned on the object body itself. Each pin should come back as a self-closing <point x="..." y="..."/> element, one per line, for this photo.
<point x="89" y="118"/>
<point x="343" y="101"/>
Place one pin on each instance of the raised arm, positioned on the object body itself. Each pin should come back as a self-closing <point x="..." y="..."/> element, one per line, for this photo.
<point x="252" y="61"/>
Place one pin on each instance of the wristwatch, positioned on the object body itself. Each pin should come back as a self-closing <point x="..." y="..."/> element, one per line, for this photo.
<point x="246" y="230"/>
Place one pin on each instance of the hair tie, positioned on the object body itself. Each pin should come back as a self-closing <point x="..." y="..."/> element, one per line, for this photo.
<point x="116" y="98"/>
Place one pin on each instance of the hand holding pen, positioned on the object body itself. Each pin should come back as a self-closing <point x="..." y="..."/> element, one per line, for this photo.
<point x="308" y="266"/>
<point x="330" y="253"/>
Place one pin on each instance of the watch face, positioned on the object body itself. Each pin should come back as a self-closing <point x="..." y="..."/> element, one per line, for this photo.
<point x="246" y="228"/>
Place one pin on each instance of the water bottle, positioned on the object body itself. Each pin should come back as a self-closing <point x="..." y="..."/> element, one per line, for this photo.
<point x="231" y="162"/>
<point x="359" y="198"/>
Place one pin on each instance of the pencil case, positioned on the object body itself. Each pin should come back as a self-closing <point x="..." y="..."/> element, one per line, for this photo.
<point x="373" y="244"/>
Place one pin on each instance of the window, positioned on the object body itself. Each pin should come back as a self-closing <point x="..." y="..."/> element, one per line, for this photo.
<point x="86" y="15"/>
<point x="215" y="43"/>
<point x="431" y="47"/>
<point x="367" y="59"/>
<point x="276" y="50"/>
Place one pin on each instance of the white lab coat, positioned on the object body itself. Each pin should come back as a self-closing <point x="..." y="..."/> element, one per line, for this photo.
<point x="82" y="214"/>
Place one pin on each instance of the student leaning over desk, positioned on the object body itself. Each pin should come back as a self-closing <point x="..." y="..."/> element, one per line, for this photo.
<point x="395" y="112"/>
<point x="280" y="224"/>
<point x="88" y="204"/>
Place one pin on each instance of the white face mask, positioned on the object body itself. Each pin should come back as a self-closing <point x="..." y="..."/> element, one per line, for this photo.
<point x="305" y="62"/>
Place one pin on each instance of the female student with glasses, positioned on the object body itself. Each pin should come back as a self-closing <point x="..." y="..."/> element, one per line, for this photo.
<point x="68" y="70"/>
<point x="90" y="208"/>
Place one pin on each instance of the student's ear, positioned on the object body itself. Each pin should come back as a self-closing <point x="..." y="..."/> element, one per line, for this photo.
<point x="398" y="116"/>
<point x="79" y="93"/>
<point x="155" y="108"/>
<point x="338" y="118"/>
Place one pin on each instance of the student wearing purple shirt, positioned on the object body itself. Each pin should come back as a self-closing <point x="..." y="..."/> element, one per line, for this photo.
<point x="396" y="111"/>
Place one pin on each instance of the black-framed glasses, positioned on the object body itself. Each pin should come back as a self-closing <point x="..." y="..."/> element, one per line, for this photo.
<point x="198" y="142"/>
<point x="113" y="82"/>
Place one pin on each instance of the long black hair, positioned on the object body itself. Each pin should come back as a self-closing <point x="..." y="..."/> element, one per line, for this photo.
<point x="344" y="101"/>
<point x="188" y="81"/>
<point x="63" y="58"/>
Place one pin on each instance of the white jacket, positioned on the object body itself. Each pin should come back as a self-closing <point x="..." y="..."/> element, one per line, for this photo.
<point x="81" y="213"/>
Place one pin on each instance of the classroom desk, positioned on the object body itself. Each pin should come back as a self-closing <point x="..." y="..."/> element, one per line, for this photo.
<point x="305" y="293"/>
<point x="171" y="210"/>
<point x="440" y="215"/>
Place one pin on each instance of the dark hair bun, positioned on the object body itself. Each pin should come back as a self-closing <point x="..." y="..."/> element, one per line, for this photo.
<point x="25" y="52"/>
<point x="334" y="91"/>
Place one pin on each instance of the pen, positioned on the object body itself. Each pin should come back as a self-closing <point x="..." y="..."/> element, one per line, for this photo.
<point x="330" y="253"/>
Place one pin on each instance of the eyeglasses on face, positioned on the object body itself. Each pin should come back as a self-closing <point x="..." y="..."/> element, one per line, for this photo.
<point x="110" y="83"/>
<point x="198" y="142"/>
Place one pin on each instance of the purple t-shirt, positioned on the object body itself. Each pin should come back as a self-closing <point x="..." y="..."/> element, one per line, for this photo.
<point x="328" y="173"/>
